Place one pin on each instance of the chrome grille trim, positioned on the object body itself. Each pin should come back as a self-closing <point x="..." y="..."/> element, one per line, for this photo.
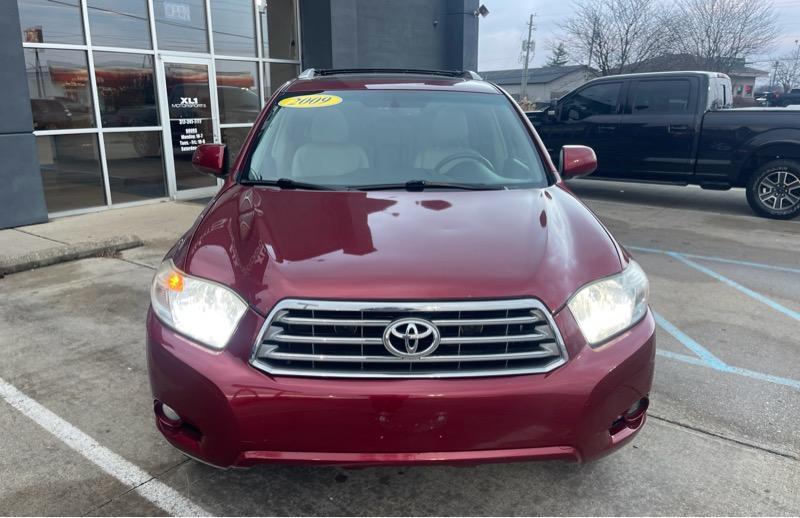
<point x="487" y="321"/>
<point x="494" y="339"/>
<point x="280" y="337"/>
<point x="459" y="356"/>
<point x="395" y="359"/>
<point x="332" y="321"/>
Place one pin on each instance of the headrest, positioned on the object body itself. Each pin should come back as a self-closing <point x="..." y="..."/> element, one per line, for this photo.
<point x="328" y="126"/>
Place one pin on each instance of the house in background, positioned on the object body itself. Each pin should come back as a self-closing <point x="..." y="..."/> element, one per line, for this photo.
<point x="544" y="84"/>
<point x="744" y="79"/>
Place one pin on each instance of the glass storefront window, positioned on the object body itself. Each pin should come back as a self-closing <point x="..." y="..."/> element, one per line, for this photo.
<point x="237" y="91"/>
<point x="46" y="21"/>
<point x="191" y="123"/>
<point x="234" y="139"/>
<point x="233" y="26"/>
<point x="279" y="73"/>
<point x="138" y="159"/>
<point x="71" y="172"/>
<point x="126" y="89"/>
<point x="181" y="25"/>
<point x="278" y="28"/>
<point x="119" y="24"/>
<point x="135" y="166"/>
<point x="58" y="82"/>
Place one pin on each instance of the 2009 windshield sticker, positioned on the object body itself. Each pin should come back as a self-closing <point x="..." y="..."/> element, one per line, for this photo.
<point x="310" y="101"/>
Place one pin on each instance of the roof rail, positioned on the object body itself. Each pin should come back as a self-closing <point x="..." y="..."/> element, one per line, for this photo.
<point x="310" y="73"/>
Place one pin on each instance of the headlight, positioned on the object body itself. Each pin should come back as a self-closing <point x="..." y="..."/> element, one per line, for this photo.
<point x="611" y="305"/>
<point x="199" y="309"/>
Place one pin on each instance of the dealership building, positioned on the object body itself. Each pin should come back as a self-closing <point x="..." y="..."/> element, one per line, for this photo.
<point x="104" y="101"/>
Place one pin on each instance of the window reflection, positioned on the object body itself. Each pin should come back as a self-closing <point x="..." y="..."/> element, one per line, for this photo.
<point x="279" y="73"/>
<point x="237" y="91"/>
<point x="58" y="81"/>
<point x="71" y="171"/>
<point x="119" y="24"/>
<point x="135" y="166"/>
<point x="234" y="139"/>
<point x="46" y="21"/>
<point x="181" y="25"/>
<point x="126" y="89"/>
<point x="234" y="27"/>
<point x="278" y="28"/>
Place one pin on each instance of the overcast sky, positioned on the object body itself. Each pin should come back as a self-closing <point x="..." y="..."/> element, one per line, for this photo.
<point x="501" y="32"/>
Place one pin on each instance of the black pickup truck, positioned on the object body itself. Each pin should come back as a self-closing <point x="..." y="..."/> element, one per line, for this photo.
<point x="784" y="99"/>
<point x="678" y="128"/>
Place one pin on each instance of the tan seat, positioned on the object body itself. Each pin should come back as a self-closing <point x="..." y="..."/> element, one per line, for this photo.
<point x="329" y="153"/>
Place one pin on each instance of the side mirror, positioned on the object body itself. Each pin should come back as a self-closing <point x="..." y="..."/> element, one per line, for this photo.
<point x="577" y="161"/>
<point x="211" y="159"/>
<point x="551" y="110"/>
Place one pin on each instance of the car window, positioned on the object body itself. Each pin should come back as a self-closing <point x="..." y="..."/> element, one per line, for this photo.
<point x="662" y="96"/>
<point x="600" y="99"/>
<point x="363" y="137"/>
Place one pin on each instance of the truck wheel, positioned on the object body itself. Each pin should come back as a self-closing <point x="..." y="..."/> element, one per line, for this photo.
<point x="773" y="191"/>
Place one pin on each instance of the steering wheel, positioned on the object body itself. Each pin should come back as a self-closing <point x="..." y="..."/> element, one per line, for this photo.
<point x="475" y="157"/>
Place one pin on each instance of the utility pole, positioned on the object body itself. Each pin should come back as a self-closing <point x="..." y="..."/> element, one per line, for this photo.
<point x="528" y="46"/>
<point x="591" y="44"/>
<point x="774" y="82"/>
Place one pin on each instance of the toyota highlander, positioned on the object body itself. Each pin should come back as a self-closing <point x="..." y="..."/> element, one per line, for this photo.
<point x="394" y="272"/>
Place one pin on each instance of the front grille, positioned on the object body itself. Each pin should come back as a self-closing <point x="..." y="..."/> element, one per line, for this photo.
<point x="346" y="339"/>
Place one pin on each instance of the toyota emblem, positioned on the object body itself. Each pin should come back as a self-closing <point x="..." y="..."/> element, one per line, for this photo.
<point x="411" y="338"/>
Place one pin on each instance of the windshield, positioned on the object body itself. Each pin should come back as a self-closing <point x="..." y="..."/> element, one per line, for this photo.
<point x="357" y="139"/>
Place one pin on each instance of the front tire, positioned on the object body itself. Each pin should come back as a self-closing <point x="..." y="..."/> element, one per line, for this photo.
<point x="773" y="191"/>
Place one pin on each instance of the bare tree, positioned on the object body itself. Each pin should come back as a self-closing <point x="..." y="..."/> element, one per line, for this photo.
<point x="616" y="35"/>
<point x="787" y="74"/>
<point x="716" y="32"/>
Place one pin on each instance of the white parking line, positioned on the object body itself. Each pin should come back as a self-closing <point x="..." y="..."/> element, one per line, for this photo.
<point x="128" y="474"/>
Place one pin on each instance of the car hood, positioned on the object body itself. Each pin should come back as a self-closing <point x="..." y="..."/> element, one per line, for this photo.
<point x="269" y="244"/>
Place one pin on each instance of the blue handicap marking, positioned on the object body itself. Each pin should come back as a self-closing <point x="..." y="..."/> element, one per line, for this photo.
<point x="706" y="359"/>
<point x="733" y="284"/>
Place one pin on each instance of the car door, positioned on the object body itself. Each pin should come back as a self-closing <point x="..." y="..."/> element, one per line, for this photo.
<point x="659" y="128"/>
<point x="589" y="116"/>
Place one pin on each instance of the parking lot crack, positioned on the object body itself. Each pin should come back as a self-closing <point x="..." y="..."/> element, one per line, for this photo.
<point x="134" y="488"/>
<point x="135" y="263"/>
<point x="40" y="236"/>
<point x="741" y="442"/>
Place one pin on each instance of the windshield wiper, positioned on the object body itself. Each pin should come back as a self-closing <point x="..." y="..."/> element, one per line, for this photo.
<point x="288" y="183"/>
<point x="421" y="185"/>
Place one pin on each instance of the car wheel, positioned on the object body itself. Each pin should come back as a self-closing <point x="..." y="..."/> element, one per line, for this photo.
<point x="773" y="191"/>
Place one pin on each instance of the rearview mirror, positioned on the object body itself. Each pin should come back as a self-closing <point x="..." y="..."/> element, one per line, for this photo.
<point x="211" y="159"/>
<point x="577" y="161"/>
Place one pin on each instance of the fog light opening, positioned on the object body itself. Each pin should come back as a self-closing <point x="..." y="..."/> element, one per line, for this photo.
<point x="168" y="415"/>
<point x="634" y="414"/>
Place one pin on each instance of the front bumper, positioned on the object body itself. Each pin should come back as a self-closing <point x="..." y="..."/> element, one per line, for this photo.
<point x="235" y="415"/>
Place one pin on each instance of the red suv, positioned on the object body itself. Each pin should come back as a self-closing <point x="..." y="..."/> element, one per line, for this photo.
<point x="395" y="272"/>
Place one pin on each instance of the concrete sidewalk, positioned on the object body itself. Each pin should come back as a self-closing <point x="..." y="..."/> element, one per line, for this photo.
<point x="94" y="234"/>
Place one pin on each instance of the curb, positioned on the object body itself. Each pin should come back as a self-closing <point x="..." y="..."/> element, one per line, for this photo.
<point x="65" y="253"/>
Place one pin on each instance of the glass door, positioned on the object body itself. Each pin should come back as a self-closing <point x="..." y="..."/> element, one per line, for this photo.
<point x="189" y="118"/>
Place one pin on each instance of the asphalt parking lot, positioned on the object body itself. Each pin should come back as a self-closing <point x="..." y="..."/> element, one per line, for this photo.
<point x="722" y="438"/>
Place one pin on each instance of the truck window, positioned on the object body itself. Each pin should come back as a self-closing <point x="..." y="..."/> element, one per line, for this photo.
<point x="600" y="99"/>
<point x="662" y="96"/>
